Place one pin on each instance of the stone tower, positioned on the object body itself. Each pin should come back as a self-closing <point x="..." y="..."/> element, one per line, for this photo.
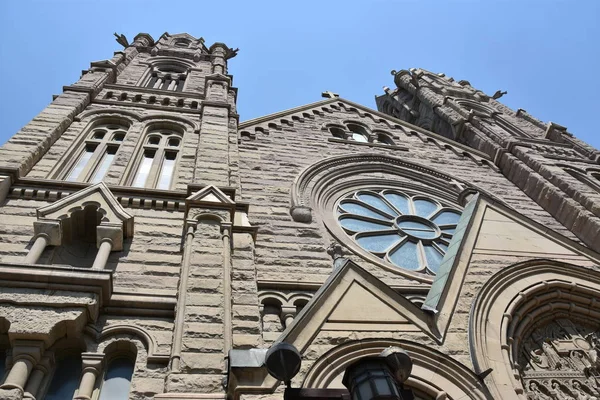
<point x="153" y="247"/>
<point x="554" y="168"/>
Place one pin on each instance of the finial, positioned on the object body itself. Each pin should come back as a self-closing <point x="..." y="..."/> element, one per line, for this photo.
<point x="121" y="39"/>
<point x="329" y="95"/>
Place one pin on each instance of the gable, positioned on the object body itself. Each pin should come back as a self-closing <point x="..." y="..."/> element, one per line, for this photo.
<point x="363" y="309"/>
<point x="210" y="194"/>
<point x="497" y="237"/>
<point x="321" y="108"/>
<point x="354" y="300"/>
<point x="98" y="195"/>
<point x="500" y="233"/>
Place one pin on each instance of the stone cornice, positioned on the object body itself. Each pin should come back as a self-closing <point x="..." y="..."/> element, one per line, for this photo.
<point x="145" y="304"/>
<point x="148" y="106"/>
<point x="129" y="197"/>
<point x="194" y="95"/>
<point x="52" y="277"/>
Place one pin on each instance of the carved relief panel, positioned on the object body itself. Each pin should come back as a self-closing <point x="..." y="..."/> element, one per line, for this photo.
<point x="561" y="360"/>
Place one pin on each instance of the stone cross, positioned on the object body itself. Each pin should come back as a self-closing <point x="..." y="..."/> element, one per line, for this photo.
<point x="329" y="94"/>
<point x="458" y="185"/>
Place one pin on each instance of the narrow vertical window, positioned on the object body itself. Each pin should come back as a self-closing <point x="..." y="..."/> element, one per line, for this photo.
<point x="104" y="164"/>
<point x="158" y="163"/>
<point x="166" y="171"/>
<point x="82" y="162"/>
<point x="144" y="169"/>
<point x="66" y="379"/>
<point x="117" y="380"/>
<point x="98" y="154"/>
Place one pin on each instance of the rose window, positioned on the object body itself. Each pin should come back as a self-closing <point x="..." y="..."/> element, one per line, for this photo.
<point x="408" y="231"/>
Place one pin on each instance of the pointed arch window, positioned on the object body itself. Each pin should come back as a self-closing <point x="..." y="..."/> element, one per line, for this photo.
<point x="158" y="161"/>
<point x="98" y="153"/>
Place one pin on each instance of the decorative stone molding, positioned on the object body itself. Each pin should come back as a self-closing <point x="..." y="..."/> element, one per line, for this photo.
<point x="304" y="187"/>
<point x="452" y="379"/>
<point x="97" y="195"/>
<point x="149" y="342"/>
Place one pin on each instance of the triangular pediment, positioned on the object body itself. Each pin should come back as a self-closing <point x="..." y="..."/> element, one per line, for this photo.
<point x="352" y="299"/>
<point x="210" y="194"/>
<point x="98" y="195"/>
<point x="491" y="231"/>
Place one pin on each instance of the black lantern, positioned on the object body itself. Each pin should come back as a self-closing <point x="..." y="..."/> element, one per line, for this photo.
<point x="378" y="377"/>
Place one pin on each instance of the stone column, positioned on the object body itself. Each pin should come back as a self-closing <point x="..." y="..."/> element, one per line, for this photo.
<point x="226" y="228"/>
<point x="109" y="237"/>
<point x="26" y="354"/>
<point x="190" y="227"/>
<point x="46" y="233"/>
<point x="92" y="364"/>
<point x="40" y="371"/>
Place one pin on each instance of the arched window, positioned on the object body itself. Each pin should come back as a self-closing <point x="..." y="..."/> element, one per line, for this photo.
<point x="382" y="138"/>
<point x="408" y="230"/>
<point x="358" y="133"/>
<point x="117" y="379"/>
<point x="98" y="153"/>
<point x="159" y="155"/>
<point x="271" y="316"/>
<point x="337" y="132"/>
<point x="169" y="77"/>
<point x="66" y="378"/>
<point x="590" y="178"/>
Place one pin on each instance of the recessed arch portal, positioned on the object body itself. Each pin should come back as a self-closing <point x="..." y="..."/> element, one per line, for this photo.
<point x="534" y="326"/>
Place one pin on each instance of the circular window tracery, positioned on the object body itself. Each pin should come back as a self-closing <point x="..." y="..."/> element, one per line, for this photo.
<point x="409" y="231"/>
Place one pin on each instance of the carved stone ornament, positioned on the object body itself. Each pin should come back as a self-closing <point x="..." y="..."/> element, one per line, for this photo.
<point x="561" y="360"/>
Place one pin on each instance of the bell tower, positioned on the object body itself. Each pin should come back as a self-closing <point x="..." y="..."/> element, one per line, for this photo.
<point x="557" y="170"/>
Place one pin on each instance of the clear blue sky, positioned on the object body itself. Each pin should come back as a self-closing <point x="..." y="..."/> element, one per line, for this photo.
<point x="545" y="53"/>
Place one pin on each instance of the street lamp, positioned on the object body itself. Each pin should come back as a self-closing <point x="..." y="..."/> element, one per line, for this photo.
<point x="378" y="377"/>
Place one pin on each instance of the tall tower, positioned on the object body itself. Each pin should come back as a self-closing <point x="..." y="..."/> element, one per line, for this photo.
<point x="557" y="170"/>
<point x="126" y="178"/>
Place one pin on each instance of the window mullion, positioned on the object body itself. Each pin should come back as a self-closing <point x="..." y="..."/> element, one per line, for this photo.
<point x="155" y="169"/>
<point x="89" y="169"/>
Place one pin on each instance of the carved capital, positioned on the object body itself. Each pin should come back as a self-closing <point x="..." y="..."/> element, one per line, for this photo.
<point x="112" y="233"/>
<point x="226" y="229"/>
<point x="92" y="362"/>
<point x="29" y="350"/>
<point x="51" y="230"/>
<point x="190" y="225"/>
<point x="288" y="311"/>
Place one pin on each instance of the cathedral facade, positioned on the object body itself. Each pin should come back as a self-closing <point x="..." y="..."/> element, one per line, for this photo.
<point x="153" y="246"/>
